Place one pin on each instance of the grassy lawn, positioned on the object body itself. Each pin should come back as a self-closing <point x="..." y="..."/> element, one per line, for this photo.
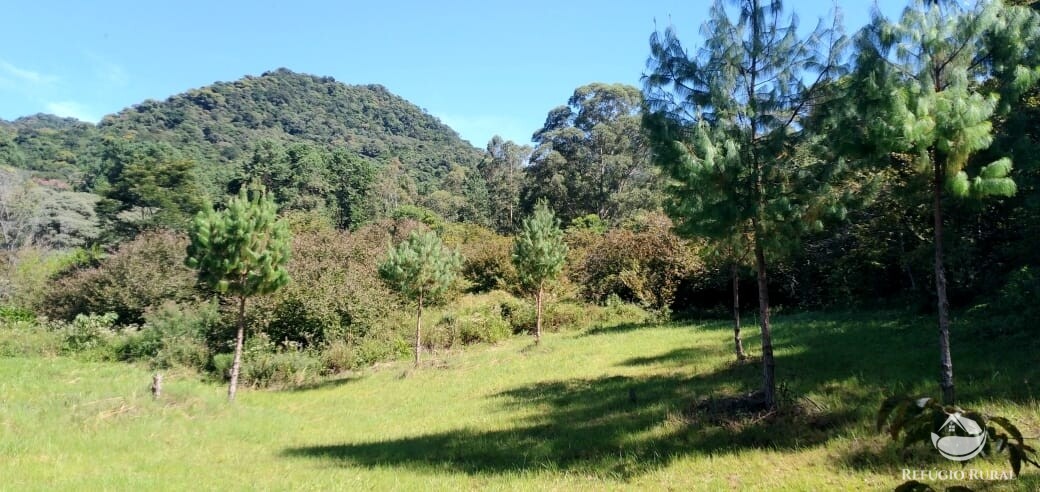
<point x="605" y="408"/>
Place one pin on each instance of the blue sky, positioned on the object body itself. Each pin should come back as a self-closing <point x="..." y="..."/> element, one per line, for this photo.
<point x="481" y="67"/>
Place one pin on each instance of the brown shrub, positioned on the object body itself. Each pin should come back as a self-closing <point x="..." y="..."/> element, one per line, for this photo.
<point x="142" y="273"/>
<point x="644" y="262"/>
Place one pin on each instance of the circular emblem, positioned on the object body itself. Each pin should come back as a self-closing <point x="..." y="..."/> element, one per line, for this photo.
<point x="959" y="438"/>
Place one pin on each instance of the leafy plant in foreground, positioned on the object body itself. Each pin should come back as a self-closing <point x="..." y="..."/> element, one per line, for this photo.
<point x="917" y="418"/>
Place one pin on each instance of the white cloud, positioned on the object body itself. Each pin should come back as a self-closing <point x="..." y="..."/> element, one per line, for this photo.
<point x="70" y="109"/>
<point x="25" y="75"/>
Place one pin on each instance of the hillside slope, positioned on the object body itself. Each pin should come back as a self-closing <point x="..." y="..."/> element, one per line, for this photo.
<point x="219" y="125"/>
<point x="221" y="122"/>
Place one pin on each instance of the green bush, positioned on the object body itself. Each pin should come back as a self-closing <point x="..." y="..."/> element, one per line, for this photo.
<point x="338" y="356"/>
<point x="264" y="364"/>
<point x="26" y="274"/>
<point x="173" y="335"/>
<point x="141" y="275"/>
<point x="335" y="293"/>
<point x="487" y="261"/>
<point x="14" y="313"/>
<point x="92" y="334"/>
<point x="1016" y="305"/>
<point x="644" y="263"/>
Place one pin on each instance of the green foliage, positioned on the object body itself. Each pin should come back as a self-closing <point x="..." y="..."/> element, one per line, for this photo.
<point x="92" y="333"/>
<point x="173" y="335"/>
<point x="141" y="274"/>
<point x="145" y="185"/>
<point x="1014" y="307"/>
<point x="539" y="252"/>
<point x="590" y="222"/>
<point x="487" y="257"/>
<point x="643" y="264"/>
<point x="21" y="337"/>
<point x="27" y="275"/>
<point x="266" y="365"/>
<point x="916" y="93"/>
<point x="241" y="250"/>
<point x="432" y="219"/>
<point x="591" y="156"/>
<point x="222" y="124"/>
<point x="302" y="176"/>
<point x="421" y="267"/>
<point x="917" y="418"/>
<point x="336" y="295"/>
<point x="476" y="320"/>
<point x="734" y="159"/>
<point x="53" y="148"/>
<point x="502" y="169"/>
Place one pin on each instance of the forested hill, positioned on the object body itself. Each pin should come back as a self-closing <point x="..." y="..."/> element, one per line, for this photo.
<point x="223" y="121"/>
<point x="220" y="125"/>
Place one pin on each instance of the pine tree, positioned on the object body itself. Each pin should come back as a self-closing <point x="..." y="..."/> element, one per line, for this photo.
<point x="727" y="125"/>
<point x="917" y="95"/>
<point x="241" y="251"/>
<point x="539" y="254"/>
<point x="421" y="268"/>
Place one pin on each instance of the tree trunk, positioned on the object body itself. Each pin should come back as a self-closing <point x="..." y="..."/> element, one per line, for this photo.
<point x="538" y="316"/>
<point x="418" y="330"/>
<point x="737" y="344"/>
<point x="768" y="364"/>
<point x="945" y="359"/>
<point x="236" y="366"/>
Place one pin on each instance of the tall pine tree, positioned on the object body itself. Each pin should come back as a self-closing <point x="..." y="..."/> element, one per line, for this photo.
<point x="539" y="254"/>
<point x="726" y="123"/>
<point x="421" y="268"/>
<point x="917" y="95"/>
<point x="242" y="251"/>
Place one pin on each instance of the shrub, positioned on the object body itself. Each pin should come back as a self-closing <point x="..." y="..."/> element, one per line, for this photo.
<point x="264" y="364"/>
<point x="142" y="274"/>
<point x="89" y="333"/>
<point x="643" y="263"/>
<point x="25" y="275"/>
<point x="487" y="261"/>
<point x="335" y="294"/>
<point x="173" y="335"/>
<point x="13" y="313"/>
<point x="419" y="214"/>
<point x="1014" y="306"/>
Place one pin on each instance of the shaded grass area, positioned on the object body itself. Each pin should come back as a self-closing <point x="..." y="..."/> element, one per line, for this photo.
<point x="612" y="406"/>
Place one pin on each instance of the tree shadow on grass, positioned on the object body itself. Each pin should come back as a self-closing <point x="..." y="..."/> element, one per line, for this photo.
<point x="620" y="427"/>
<point x="617" y="328"/>
<point x="672" y="358"/>
<point x="617" y="427"/>
<point x="325" y="384"/>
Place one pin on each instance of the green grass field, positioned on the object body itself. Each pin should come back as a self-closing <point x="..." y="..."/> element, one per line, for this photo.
<point x="604" y="408"/>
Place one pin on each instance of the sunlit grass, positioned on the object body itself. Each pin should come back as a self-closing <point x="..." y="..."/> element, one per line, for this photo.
<point x="607" y="407"/>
